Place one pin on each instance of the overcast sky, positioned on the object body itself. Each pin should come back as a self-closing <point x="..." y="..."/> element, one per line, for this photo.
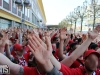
<point x="57" y="10"/>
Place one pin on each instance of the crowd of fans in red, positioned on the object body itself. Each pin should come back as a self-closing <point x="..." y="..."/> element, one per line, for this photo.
<point x="50" y="52"/>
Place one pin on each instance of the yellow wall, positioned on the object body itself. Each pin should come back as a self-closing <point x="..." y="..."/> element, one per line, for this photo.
<point x="40" y="4"/>
<point x="9" y="16"/>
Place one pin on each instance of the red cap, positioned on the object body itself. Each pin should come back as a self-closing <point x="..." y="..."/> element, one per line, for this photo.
<point x="89" y="52"/>
<point x="17" y="47"/>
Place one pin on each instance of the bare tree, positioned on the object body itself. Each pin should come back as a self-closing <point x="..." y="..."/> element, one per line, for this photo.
<point x="70" y="19"/>
<point x="64" y="23"/>
<point x="75" y="18"/>
<point x="81" y="12"/>
<point x="94" y="11"/>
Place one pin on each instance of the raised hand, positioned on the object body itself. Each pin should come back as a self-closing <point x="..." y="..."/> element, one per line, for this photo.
<point x="40" y="50"/>
<point x="63" y="34"/>
<point x="93" y="34"/>
<point x="4" y="40"/>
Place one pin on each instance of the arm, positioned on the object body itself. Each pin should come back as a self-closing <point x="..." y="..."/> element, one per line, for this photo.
<point x="3" y="42"/>
<point x="77" y="53"/>
<point x="2" y="49"/>
<point x="66" y="42"/>
<point x="15" y="71"/>
<point x="60" y="52"/>
<point x="63" y="36"/>
<point x="55" y="62"/>
<point x="8" y="54"/>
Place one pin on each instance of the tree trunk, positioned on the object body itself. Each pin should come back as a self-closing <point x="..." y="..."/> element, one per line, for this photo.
<point x="71" y="25"/>
<point x="81" y="24"/>
<point x="75" y="27"/>
<point x="94" y="18"/>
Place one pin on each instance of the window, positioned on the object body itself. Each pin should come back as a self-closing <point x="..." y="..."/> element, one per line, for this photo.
<point x="13" y="4"/>
<point x="32" y="4"/>
<point x="6" y="1"/>
<point x="19" y="9"/>
<point x="32" y="18"/>
<point x="28" y="13"/>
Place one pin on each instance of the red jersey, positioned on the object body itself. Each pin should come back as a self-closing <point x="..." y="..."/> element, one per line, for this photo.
<point x="31" y="71"/>
<point x="56" y="54"/>
<point x="77" y="64"/>
<point x="75" y="71"/>
<point x="23" y="61"/>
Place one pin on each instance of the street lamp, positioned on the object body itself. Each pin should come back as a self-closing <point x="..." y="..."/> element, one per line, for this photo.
<point x="22" y="4"/>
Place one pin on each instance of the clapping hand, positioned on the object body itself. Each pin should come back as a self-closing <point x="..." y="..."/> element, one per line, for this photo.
<point x="40" y="50"/>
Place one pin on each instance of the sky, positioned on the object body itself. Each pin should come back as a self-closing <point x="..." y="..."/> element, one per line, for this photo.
<point x="57" y="10"/>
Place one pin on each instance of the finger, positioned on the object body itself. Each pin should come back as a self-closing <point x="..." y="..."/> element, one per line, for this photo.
<point x="36" y="40"/>
<point x="33" y="42"/>
<point x="40" y="41"/>
<point x="48" y="42"/>
<point x="32" y="45"/>
<point x="31" y="49"/>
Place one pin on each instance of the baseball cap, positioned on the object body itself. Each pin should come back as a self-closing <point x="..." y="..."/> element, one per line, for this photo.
<point x="17" y="47"/>
<point x="89" y="52"/>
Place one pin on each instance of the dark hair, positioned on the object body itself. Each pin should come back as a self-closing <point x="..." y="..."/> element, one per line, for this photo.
<point x="71" y="36"/>
<point x="91" y="44"/>
<point x="54" y="39"/>
<point x="94" y="46"/>
<point x="71" y="46"/>
<point x="79" y="40"/>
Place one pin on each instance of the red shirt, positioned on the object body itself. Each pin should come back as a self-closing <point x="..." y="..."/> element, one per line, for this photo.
<point x="56" y="54"/>
<point x="99" y="44"/>
<point x="76" y="64"/>
<point x="75" y="71"/>
<point x="23" y="60"/>
<point x="31" y="71"/>
<point x="27" y="56"/>
<point x="26" y="49"/>
<point x="12" y="40"/>
<point x="53" y="36"/>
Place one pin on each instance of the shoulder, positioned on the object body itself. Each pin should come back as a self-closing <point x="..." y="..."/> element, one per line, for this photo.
<point x="29" y="70"/>
<point x="71" y="71"/>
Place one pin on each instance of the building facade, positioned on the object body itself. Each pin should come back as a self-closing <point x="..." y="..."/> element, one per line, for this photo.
<point x="11" y="14"/>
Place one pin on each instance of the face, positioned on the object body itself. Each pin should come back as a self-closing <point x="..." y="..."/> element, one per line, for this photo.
<point x="91" y="62"/>
<point x="20" y="53"/>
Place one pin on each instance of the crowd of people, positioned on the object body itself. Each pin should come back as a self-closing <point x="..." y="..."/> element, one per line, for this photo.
<point x="50" y="52"/>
